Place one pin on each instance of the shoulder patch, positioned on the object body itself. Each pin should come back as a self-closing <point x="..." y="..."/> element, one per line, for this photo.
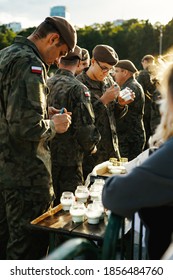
<point x="36" y="69"/>
<point x="87" y="93"/>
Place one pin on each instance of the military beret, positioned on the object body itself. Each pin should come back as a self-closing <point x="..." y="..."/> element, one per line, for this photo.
<point x="76" y="53"/>
<point x="105" y="53"/>
<point x="85" y="54"/>
<point x="128" y="65"/>
<point x="65" y="29"/>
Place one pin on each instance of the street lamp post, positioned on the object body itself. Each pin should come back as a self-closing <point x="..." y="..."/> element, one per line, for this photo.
<point x="160" y="40"/>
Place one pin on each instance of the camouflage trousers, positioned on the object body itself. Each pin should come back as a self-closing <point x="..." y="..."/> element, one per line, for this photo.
<point x="66" y="178"/>
<point x="17" y="240"/>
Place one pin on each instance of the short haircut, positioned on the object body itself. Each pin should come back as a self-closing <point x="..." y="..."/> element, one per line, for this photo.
<point x="73" y="61"/>
<point x="148" y="57"/>
<point x="44" y="29"/>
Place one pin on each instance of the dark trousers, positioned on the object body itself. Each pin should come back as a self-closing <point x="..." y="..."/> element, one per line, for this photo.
<point x="66" y="178"/>
<point x="17" y="240"/>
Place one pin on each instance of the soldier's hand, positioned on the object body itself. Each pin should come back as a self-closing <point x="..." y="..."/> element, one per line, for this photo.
<point x="52" y="110"/>
<point x="62" y="121"/>
<point x="110" y="94"/>
<point x="123" y="102"/>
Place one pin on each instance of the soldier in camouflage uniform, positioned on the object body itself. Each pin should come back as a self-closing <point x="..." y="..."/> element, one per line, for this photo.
<point x="148" y="79"/>
<point x="25" y="179"/>
<point x="130" y="129"/>
<point x="67" y="149"/>
<point x="105" y="103"/>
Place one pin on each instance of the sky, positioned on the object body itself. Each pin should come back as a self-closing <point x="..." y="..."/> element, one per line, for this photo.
<point x="32" y="12"/>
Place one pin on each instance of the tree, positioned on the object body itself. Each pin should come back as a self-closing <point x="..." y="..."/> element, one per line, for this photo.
<point x="131" y="40"/>
<point x="167" y="38"/>
<point x="6" y="36"/>
<point x="26" y="32"/>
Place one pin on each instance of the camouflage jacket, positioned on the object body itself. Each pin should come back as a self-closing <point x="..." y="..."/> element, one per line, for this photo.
<point x="145" y="79"/>
<point x="150" y="83"/>
<point x="66" y="91"/>
<point x="131" y="127"/>
<point x="106" y="116"/>
<point x="24" y="125"/>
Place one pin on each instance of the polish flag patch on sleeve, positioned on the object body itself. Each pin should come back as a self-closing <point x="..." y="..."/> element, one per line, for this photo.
<point x="36" y="69"/>
<point x="87" y="93"/>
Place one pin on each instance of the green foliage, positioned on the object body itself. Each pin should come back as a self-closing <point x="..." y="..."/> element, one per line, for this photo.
<point x="26" y="32"/>
<point x="131" y="40"/>
<point x="6" y="36"/>
<point x="167" y="38"/>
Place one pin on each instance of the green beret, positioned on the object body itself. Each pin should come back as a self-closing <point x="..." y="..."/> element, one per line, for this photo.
<point x="105" y="53"/>
<point x="127" y="65"/>
<point x="76" y="53"/>
<point x="65" y="29"/>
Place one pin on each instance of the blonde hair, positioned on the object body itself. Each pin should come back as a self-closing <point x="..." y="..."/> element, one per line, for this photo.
<point x="165" y="129"/>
